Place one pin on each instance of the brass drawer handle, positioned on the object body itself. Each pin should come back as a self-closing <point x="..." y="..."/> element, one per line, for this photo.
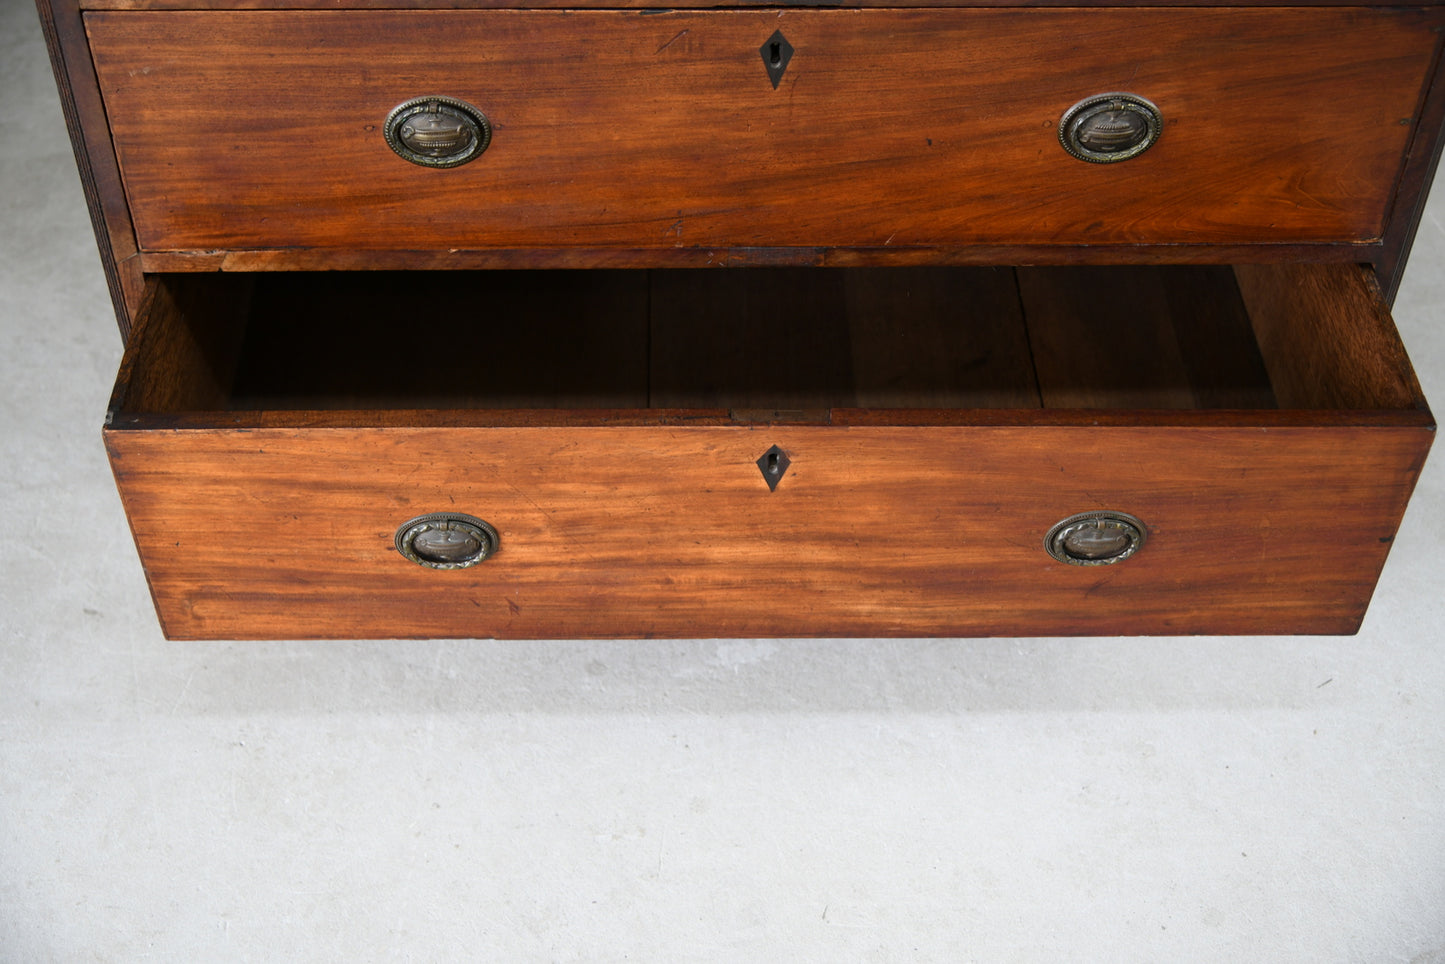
<point x="447" y="540"/>
<point x="1095" y="538"/>
<point x="437" y="131"/>
<point x="1107" y="128"/>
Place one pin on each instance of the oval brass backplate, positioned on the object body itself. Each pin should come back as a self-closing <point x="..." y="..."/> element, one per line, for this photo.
<point x="1095" y="538"/>
<point x="447" y="540"/>
<point x="437" y="131"/>
<point x="1108" y="128"/>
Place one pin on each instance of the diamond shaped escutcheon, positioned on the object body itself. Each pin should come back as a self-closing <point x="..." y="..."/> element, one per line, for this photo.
<point x="774" y="465"/>
<point x="776" y="53"/>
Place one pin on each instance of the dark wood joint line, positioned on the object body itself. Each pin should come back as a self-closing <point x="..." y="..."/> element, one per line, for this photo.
<point x="1417" y="171"/>
<point x="64" y="30"/>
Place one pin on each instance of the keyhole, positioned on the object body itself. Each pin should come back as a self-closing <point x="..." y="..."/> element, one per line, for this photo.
<point x="775" y="53"/>
<point x="774" y="465"/>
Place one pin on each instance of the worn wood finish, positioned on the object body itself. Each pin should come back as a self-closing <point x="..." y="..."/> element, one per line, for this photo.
<point x="909" y="127"/>
<point x="892" y="531"/>
<point x="459" y="259"/>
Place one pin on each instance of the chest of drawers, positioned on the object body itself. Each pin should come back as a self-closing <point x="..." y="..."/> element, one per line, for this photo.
<point x="474" y="320"/>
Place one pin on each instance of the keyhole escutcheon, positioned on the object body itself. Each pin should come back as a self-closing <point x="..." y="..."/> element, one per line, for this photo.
<point x="776" y="52"/>
<point x="774" y="465"/>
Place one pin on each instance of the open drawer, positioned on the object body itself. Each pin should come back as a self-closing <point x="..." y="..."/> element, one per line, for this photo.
<point x="769" y="451"/>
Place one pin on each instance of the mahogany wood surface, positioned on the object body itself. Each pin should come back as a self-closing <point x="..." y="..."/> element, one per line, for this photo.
<point x="617" y="523"/>
<point x="270" y="431"/>
<point x="186" y="344"/>
<point x="662" y="131"/>
<point x="1417" y="171"/>
<point x="684" y="4"/>
<point x="346" y="259"/>
<point x="1327" y="338"/>
<point x="873" y="531"/>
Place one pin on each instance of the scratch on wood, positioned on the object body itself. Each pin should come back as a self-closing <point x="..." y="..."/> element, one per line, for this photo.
<point x="680" y="35"/>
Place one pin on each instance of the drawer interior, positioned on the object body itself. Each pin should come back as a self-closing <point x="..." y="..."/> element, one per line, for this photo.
<point x="793" y="343"/>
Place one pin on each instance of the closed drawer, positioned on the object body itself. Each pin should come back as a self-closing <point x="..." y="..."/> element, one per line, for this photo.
<point x="663" y="131"/>
<point x="272" y="433"/>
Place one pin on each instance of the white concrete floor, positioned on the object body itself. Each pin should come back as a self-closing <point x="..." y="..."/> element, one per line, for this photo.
<point x="931" y="800"/>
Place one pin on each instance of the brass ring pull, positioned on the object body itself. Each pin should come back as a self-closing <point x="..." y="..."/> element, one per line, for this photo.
<point x="1108" y="128"/>
<point x="437" y="131"/>
<point x="1095" y="538"/>
<point x="447" y="540"/>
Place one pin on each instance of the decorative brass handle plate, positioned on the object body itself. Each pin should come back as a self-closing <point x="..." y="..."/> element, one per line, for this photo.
<point x="1108" y="128"/>
<point x="1095" y="538"/>
<point x="437" y="131"/>
<point x="447" y="540"/>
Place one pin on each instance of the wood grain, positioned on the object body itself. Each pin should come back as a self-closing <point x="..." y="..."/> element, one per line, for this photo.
<point x="1327" y="338"/>
<point x="907" y="127"/>
<point x="893" y="255"/>
<point x="1120" y="338"/>
<point x="873" y="531"/>
<point x="183" y="352"/>
<point x="760" y="339"/>
<point x="85" y="120"/>
<point x="1417" y="172"/>
<point x="1211" y="324"/>
<point x="657" y="522"/>
<point x="939" y="338"/>
<point x="1142" y="337"/>
<point x="803" y="338"/>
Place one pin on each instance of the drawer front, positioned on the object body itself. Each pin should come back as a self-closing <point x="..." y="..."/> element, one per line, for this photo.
<point x="641" y="531"/>
<point x="664" y="130"/>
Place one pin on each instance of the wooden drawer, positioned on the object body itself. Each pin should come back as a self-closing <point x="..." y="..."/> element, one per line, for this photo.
<point x="270" y="433"/>
<point x="660" y="132"/>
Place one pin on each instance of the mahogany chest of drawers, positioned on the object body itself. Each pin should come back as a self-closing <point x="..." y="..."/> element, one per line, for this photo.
<point x="595" y="318"/>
